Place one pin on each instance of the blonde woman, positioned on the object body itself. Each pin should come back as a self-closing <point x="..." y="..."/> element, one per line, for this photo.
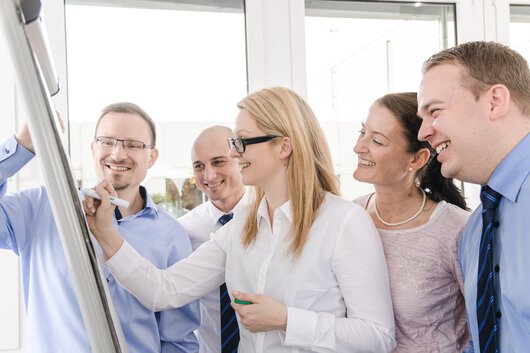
<point x="309" y="265"/>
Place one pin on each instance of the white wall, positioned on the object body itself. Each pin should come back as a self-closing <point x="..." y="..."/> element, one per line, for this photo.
<point x="10" y="305"/>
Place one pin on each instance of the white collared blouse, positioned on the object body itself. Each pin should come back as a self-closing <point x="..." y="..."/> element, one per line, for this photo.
<point x="336" y="292"/>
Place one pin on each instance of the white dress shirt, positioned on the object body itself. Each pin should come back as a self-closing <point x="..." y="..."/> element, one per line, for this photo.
<point x="336" y="292"/>
<point x="200" y="223"/>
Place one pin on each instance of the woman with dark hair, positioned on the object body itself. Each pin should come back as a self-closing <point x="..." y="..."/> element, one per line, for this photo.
<point x="419" y="215"/>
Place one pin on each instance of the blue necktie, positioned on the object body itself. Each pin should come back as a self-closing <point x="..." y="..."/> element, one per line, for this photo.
<point x="229" y="327"/>
<point x="487" y="327"/>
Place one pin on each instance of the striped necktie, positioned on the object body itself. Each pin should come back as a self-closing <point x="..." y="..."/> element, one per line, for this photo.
<point x="486" y="306"/>
<point x="229" y="327"/>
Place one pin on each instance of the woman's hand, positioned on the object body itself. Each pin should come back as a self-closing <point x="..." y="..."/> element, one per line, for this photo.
<point x="263" y="314"/>
<point x="99" y="218"/>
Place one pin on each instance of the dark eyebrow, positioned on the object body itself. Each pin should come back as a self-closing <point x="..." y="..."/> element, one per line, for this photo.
<point x="219" y="158"/>
<point x="376" y="132"/>
<point x="216" y="158"/>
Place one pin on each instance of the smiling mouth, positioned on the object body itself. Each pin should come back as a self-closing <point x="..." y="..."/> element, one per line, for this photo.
<point x="116" y="168"/>
<point x="366" y="162"/>
<point x="442" y="147"/>
<point x="214" y="185"/>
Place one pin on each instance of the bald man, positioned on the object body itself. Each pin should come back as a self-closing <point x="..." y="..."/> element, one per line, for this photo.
<point x="218" y="176"/>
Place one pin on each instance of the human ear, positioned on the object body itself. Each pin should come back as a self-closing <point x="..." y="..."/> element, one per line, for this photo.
<point x="286" y="147"/>
<point x="499" y="100"/>
<point x="153" y="156"/>
<point x="420" y="159"/>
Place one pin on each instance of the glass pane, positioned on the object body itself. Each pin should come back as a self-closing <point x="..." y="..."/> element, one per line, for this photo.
<point x="520" y="29"/>
<point x="184" y="62"/>
<point x="359" y="51"/>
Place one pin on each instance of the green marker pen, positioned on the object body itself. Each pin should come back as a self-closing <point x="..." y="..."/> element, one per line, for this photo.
<point x="243" y="302"/>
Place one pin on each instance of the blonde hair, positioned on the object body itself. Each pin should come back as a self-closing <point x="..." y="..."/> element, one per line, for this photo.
<point x="281" y="112"/>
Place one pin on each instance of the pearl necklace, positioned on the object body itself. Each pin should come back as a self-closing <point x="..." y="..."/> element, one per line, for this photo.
<point x="406" y="220"/>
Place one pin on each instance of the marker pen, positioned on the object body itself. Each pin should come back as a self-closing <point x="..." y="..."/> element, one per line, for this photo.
<point x="113" y="199"/>
<point x="243" y="302"/>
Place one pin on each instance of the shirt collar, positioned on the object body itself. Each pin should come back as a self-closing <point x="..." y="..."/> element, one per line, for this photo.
<point x="507" y="179"/>
<point x="149" y="204"/>
<point x="147" y="207"/>
<point x="216" y="213"/>
<point x="285" y="209"/>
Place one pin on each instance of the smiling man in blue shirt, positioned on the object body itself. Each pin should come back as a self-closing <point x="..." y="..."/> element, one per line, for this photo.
<point x="123" y="150"/>
<point x="474" y="100"/>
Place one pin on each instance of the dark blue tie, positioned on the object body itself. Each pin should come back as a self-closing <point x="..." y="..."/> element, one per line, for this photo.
<point x="487" y="327"/>
<point x="229" y="327"/>
<point x="224" y="219"/>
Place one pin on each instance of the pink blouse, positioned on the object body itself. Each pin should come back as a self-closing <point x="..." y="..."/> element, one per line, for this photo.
<point x="426" y="282"/>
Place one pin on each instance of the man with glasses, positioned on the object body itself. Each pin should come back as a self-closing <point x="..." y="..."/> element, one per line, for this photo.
<point x="218" y="176"/>
<point x="123" y="150"/>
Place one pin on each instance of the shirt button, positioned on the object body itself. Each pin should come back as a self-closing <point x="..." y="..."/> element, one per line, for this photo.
<point x="6" y="150"/>
<point x="497" y="268"/>
<point x="496" y="224"/>
<point x="498" y="314"/>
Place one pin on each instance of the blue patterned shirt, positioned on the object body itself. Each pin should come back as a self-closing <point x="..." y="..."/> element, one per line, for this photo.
<point x="54" y="321"/>
<point x="511" y="179"/>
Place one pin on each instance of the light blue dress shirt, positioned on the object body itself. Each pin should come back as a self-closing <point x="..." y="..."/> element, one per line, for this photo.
<point x="54" y="321"/>
<point x="511" y="179"/>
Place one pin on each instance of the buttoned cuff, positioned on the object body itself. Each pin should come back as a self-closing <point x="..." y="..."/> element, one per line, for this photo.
<point x="13" y="156"/>
<point x="309" y="329"/>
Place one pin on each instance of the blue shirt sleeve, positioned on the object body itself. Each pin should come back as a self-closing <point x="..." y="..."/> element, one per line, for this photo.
<point x="12" y="158"/>
<point x="16" y="210"/>
<point x="176" y="326"/>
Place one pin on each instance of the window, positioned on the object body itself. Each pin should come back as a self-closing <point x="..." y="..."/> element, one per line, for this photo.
<point x="520" y="29"/>
<point x="359" y="51"/>
<point x="184" y="62"/>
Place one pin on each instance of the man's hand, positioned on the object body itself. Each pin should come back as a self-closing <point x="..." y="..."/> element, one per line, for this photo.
<point x="99" y="218"/>
<point x="24" y="138"/>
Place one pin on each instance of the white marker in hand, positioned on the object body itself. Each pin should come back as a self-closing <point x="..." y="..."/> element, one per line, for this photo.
<point x="113" y="199"/>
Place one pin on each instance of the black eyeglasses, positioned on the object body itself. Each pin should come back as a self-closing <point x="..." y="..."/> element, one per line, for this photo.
<point x="240" y="143"/>
<point x="131" y="145"/>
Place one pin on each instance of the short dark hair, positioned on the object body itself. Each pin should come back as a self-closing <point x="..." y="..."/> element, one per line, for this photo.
<point x="129" y="108"/>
